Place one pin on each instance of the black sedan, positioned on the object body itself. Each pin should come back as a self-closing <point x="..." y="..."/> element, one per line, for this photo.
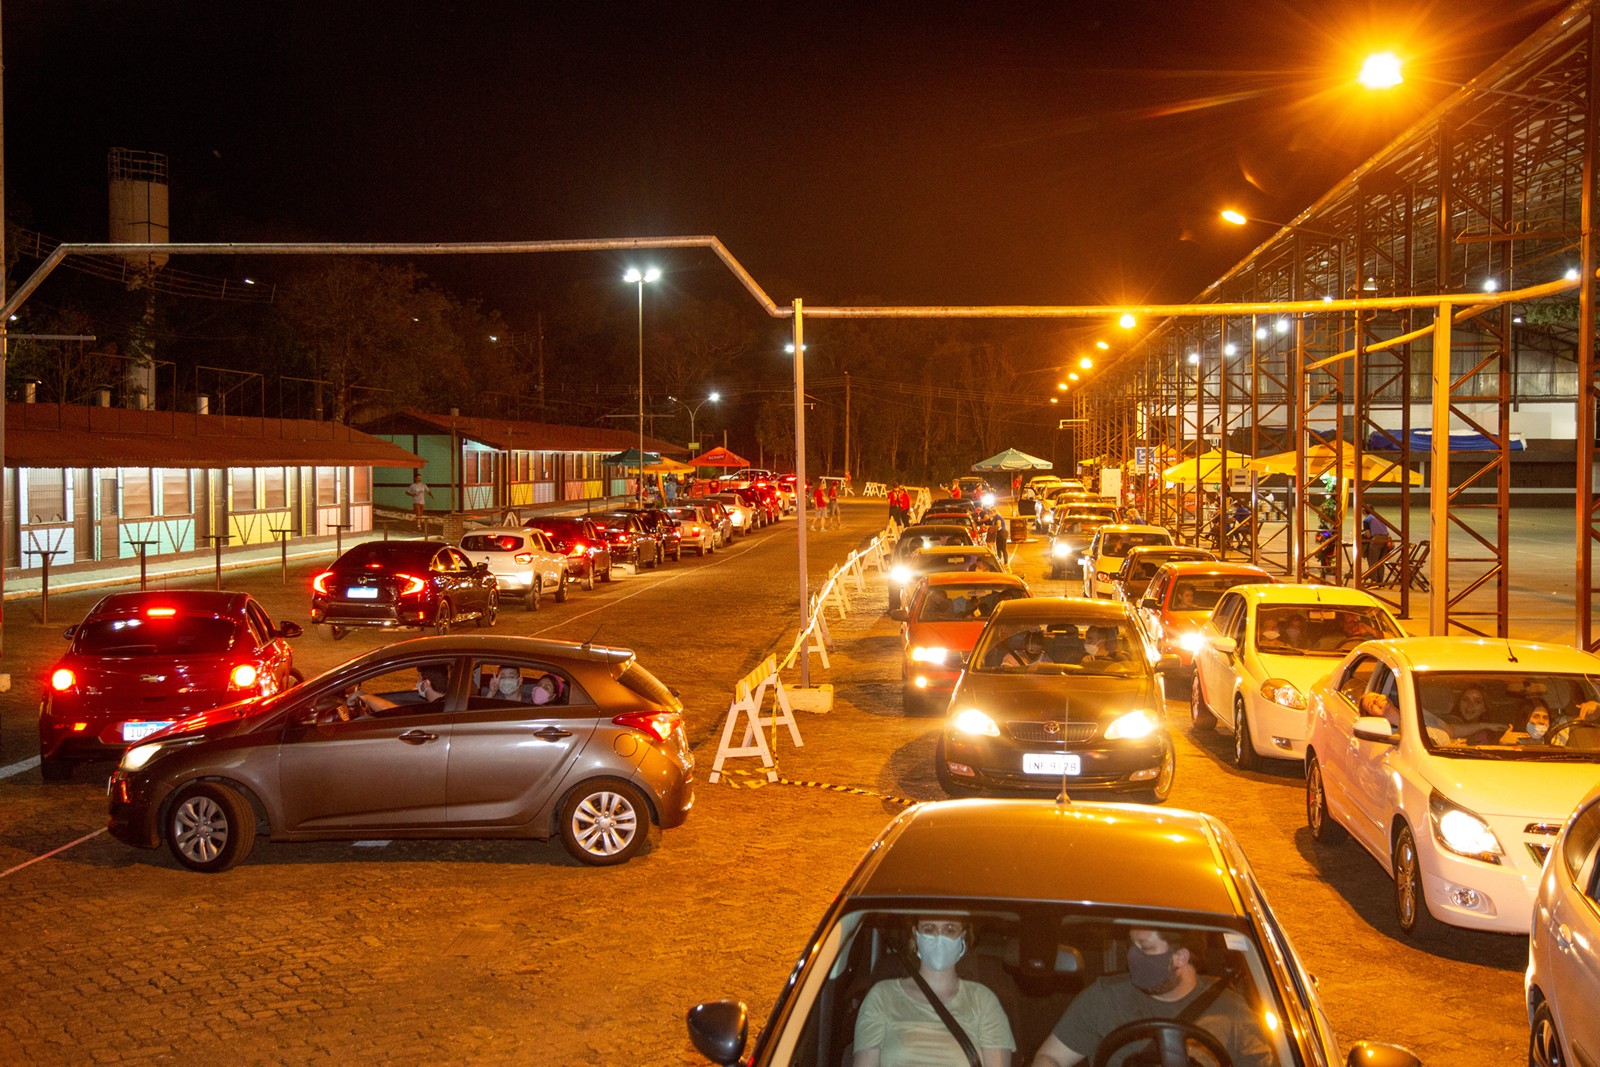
<point x="426" y="585"/>
<point x="630" y="542"/>
<point x="1058" y="696"/>
<point x="440" y="737"/>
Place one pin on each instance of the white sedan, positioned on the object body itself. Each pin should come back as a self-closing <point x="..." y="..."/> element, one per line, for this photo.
<point x="1259" y="654"/>
<point x="523" y="561"/>
<point x="1108" y="549"/>
<point x="1563" y="981"/>
<point x="1434" y="753"/>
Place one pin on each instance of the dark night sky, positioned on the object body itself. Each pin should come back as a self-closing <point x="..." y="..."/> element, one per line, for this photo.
<point x="929" y="152"/>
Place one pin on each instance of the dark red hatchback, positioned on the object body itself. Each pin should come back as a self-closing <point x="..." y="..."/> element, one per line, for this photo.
<point x="141" y="661"/>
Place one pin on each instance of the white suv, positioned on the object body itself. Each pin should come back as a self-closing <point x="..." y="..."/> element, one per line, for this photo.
<point x="523" y="561"/>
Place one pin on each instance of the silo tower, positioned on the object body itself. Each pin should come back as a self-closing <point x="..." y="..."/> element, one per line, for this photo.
<point x="138" y="183"/>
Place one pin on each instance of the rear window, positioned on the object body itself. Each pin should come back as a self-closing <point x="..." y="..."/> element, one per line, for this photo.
<point x="389" y="553"/>
<point x="492" y="542"/>
<point x="176" y="635"/>
<point x="647" y="685"/>
<point x="559" y="527"/>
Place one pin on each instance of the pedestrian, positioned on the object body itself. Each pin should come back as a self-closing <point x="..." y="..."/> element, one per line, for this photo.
<point x="1016" y="486"/>
<point x="419" y="493"/>
<point x="892" y="497"/>
<point x="820" y="503"/>
<point x="669" y="485"/>
<point x="1376" y="533"/>
<point x="1001" y="548"/>
<point x="834" y="517"/>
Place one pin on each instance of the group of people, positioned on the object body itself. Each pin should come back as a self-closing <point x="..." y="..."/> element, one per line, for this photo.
<point x="1098" y="645"/>
<point x="900" y="505"/>
<point x="825" y="505"/>
<point x="432" y="686"/>
<point x="899" y="1025"/>
<point x="1471" y="720"/>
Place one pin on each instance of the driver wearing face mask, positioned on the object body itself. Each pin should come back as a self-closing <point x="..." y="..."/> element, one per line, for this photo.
<point x="1162" y="981"/>
<point x="897" y="1027"/>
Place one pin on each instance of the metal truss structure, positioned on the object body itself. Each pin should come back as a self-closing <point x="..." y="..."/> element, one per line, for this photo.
<point x="1492" y="191"/>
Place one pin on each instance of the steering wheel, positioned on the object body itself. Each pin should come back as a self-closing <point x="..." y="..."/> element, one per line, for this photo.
<point x="1171" y="1037"/>
<point x="1563" y="730"/>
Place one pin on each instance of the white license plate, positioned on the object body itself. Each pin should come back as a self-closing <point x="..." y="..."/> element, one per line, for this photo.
<point x="138" y="731"/>
<point x="361" y="593"/>
<point x="1056" y="763"/>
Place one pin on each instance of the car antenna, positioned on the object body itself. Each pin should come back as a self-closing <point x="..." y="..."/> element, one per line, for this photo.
<point x="586" y="645"/>
<point x="1066" y="719"/>
<point x="1511" y="655"/>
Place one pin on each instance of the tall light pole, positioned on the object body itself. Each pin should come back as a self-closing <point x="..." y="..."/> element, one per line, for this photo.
<point x="634" y="277"/>
<point x="694" y="441"/>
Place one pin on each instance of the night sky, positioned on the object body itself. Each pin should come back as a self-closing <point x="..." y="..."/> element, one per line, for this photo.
<point x="922" y="153"/>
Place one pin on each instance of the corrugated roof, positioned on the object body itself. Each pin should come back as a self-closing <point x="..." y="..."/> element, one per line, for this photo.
<point x="516" y="434"/>
<point x="65" y="435"/>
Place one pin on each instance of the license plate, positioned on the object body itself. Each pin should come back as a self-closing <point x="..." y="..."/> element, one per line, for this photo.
<point x="1057" y="763"/>
<point x="138" y="731"/>
<point x="361" y="593"/>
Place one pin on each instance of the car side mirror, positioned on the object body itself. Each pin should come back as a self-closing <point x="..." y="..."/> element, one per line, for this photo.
<point x="1225" y="645"/>
<point x="1168" y="663"/>
<point x="482" y="568"/>
<point x="719" y="1029"/>
<point x="289" y="629"/>
<point x="70" y="632"/>
<point x="1376" y="728"/>
<point x="1150" y="602"/>
<point x="1380" y="1054"/>
<point x="899" y="615"/>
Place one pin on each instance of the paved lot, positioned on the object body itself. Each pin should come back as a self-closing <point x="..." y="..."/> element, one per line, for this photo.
<point x="510" y="952"/>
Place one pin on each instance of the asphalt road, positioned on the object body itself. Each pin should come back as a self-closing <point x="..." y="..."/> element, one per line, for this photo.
<point x="511" y="952"/>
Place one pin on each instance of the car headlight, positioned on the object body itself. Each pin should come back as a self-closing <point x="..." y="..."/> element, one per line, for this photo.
<point x="1462" y="831"/>
<point x="1191" y="641"/>
<point x="988" y="500"/>
<point x="1283" y="692"/>
<point x="137" y="756"/>
<point x="1133" y="725"/>
<point x="1061" y="550"/>
<point x="973" y="721"/>
<point x="929" y="655"/>
<point x="900" y="575"/>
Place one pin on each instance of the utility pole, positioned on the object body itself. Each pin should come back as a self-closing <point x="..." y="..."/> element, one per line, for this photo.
<point x="847" y="473"/>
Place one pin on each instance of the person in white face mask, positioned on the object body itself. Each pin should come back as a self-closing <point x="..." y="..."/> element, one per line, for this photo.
<point x="897" y="1027"/>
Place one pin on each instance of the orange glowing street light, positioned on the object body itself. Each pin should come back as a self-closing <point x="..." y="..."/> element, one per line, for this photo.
<point x="1128" y="322"/>
<point x="1102" y="346"/>
<point x="1381" y="70"/>
<point x="1086" y="363"/>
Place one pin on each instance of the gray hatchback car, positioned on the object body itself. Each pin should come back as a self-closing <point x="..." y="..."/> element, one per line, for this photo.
<point x="439" y="737"/>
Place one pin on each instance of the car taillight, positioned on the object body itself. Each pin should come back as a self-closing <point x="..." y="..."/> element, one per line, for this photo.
<point x="622" y="538"/>
<point x="523" y="558"/>
<point x="413" y="586"/>
<point x="62" y="680"/>
<point x="320" y="582"/>
<point x="655" y="724"/>
<point x="243" y="676"/>
<point x="161" y="613"/>
<point x="578" y="548"/>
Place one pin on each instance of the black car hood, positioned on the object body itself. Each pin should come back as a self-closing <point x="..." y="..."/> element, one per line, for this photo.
<point x="1056" y="696"/>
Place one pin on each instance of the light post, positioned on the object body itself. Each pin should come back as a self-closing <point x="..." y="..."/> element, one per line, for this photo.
<point x="694" y="440"/>
<point x="634" y="277"/>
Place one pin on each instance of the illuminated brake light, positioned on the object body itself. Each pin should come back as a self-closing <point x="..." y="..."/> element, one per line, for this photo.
<point x="578" y="548"/>
<point x="62" y="680"/>
<point x="657" y="725"/>
<point x="414" y="584"/>
<point x="320" y="582"/>
<point x="523" y="558"/>
<point x="79" y="727"/>
<point x="244" y="676"/>
<point x="161" y="613"/>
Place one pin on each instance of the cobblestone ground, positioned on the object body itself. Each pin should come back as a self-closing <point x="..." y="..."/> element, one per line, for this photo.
<point x="510" y="952"/>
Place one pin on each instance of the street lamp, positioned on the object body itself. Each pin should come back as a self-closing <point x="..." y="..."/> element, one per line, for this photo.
<point x="634" y="277"/>
<point x="694" y="439"/>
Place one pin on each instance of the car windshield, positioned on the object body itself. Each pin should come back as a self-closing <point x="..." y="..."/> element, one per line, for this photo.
<point x="965" y="603"/>
<point x="1319" y="629"/>
<point x="1089" y="645"/>
<point x="1202" y="591"/>
<point x="938" y="563"/>
<point x="170" y="635"/>
<point x="493" y="543"/>
<point x="1117" y="544"/>
<point x="1510" y="715"/>
<point x="1035" y="962"/>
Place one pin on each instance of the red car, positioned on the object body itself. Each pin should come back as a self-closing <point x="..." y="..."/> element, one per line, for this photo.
<point x="945" y="614"/>
<point x="1178" y="601"/>
<point x="588" y="552"/>
<point x="141" y="661"/>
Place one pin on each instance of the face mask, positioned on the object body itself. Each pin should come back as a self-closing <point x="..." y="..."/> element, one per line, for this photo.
<point x="1152" y="974"/>
<point x="541" y="695"/>
<point x="422" y="689"/>
<point x="508" y="686"/>
<point x="938" y="952"/>
<point x="1536" y="730"/>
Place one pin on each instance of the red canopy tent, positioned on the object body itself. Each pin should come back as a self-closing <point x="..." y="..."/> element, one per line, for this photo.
<point x="719" y="457"/>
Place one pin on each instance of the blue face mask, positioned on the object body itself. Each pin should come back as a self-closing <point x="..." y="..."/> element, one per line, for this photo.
<point x="938" y="952"/>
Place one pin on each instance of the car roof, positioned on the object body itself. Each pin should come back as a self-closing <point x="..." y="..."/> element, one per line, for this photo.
<point x="518" y="530"/>
<point x="1117" y="854"/>
<point x="1052" y="608"/>
<point x="1133" y="527"/>
<point x="934" y="551"/>
<point x="1308" y="593"/>
<point x="1486" y="655"/>
<point x="189" y="601"/>
<point x="498" y="645"/>
<point x="955" y="527"/>
<point x="1207" y="566"/>
<point x="974" y="578"/>
<point x="1166" y="550"/>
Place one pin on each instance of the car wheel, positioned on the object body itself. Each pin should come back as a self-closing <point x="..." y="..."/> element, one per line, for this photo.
<point x="1410" y="902"/>
<point x="606" y="577"/>
<point x="1199" y="715"/>
<point x="604" y="822"/>
<point x="491" y="611"/>
<point x="210" y="827"/>
<point x="1544" y="1042"/>
<point x="588" y="579"/>
<point x="443" y="619"/>
<point x="329" y="632"/>
<point x="1162" y="789"/>
<point x="55" y="770"/>
<point x="701" y="550"/>
<point x="295" y="677"/>
<point x="1324" y="827"/>
<point x="531" y="600"/>
<point x="561" y="588"/>
<point x="1244" y="750"/>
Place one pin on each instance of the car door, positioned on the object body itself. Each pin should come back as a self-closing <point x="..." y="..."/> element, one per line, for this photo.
<point x="1336" y="733"/>
<point x="1088" y="564"/>
<point x="474" y="583"/>
<point x="273" y="654"/>
<point x="378" y="771"/>
<point x="1573" y="984"/>
<point x="1212" y="672"/>
<point x="508" y="755"/>
<point x="1372" y="796"/>
<point x="549" y="562"/>
<point x="1244" y="670"/>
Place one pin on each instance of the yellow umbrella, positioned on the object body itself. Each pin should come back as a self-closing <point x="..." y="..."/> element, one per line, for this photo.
<point x="1210" y="468"/>
<point x="1323" y="459"/>
<point x="669" y="466"/>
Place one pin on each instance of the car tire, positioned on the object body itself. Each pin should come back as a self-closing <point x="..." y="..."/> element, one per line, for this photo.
<point x="1245" y="756"/>
<point x="1200" y="716"/>
<point x="1319" y="820"/>
<point x="295" y="677"/>
<point x="329" y="632"/>
<point x="491" y="611"/>
<point x="606" y="577"/>
<point x="55" y="770"/>
<point x="1544" y="1041"/>
<point x="604" y="822"/>
<point x="1410" y="901"/>
<point x="530" y="602"/>
<point x="701" y="550"/>
<point x="443" y="618"/>
<point x="1162" y="789"/>
<point x="561" y="588"/>
<point x="209" y="827"/>
<point x="588" y="579"/>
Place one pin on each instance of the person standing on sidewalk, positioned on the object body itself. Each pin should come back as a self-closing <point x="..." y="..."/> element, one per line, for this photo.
<point x="834" y="517"/>
<point x="419" y="493"/>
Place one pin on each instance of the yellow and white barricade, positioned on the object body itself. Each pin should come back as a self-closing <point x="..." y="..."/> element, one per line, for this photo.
<point x="749" y="694"/>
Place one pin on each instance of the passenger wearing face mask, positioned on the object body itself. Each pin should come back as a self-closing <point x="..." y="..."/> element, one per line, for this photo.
<point x="506" y="685"/>
<point x="1162" y="981"/>
<point x="897" y="1027"/>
